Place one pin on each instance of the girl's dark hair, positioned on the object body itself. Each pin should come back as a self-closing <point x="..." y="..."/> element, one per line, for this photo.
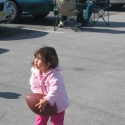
<point x="49" y="56"/>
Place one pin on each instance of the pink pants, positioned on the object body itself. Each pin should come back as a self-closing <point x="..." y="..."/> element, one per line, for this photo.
<point x="55" y="119"/>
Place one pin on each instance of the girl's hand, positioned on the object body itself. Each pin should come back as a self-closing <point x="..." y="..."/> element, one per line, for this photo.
<point x="42" y="104"/>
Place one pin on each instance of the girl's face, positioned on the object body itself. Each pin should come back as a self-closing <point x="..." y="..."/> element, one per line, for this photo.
<point x="39" y="64"/>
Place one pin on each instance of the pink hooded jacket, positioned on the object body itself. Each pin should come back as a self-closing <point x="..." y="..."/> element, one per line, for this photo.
<point x="52" y="85"/>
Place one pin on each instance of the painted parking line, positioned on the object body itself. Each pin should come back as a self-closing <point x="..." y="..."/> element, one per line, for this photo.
<point x="48" y="31"/>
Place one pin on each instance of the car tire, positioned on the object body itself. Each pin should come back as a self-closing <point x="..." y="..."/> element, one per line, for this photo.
<point x="117" y="5"/>
<point x="40" y="16"/>
<point x="16" y="12"/>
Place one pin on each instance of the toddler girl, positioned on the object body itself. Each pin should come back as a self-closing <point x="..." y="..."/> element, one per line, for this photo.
<point x="46" y="79"/>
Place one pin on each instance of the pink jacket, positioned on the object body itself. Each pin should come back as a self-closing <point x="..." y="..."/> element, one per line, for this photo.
<point x="52" y="85"/>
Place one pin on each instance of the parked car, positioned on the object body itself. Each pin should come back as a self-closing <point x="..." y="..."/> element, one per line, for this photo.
<point x="36" y="8"/>
<point x="117" y="3"/>
<point x="5" y="11"/>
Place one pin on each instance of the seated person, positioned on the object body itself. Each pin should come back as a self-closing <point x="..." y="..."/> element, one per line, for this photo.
<point x="90" y="4"/>
<point x="89" y="8"/>
<point x="79" y="16"/>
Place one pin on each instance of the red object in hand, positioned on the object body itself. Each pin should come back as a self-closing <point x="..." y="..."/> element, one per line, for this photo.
<point x="33" y="99"/>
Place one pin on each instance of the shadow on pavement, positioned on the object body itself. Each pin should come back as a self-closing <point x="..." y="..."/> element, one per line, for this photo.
<point x="9" y="95"/>
<point x="3" y="50"/>
<point x="29" y="20"/>
<point x="9" y="33"/>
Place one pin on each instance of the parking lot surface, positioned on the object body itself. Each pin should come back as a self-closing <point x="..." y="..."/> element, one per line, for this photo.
<point x="93" y="63"/>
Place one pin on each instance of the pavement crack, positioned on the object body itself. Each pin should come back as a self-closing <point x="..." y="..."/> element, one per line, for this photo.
<point x="2" y="116"/>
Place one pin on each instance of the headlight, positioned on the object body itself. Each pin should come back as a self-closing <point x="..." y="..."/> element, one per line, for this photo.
<point x="8" y="4"/>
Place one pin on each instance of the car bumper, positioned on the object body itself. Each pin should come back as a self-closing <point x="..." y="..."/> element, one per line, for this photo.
<point x="5" y="16"/>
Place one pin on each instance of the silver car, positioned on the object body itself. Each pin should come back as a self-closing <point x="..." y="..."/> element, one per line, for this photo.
<point x="6" y="11"/>
<point x="117" y="3"/>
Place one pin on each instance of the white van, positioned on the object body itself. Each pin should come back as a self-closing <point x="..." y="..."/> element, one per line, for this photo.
<point x="6" y="11"/>
<point x="117" y="3"/>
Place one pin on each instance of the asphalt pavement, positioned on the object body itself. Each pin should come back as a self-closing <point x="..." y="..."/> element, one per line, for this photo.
<point x="93" y="63"/>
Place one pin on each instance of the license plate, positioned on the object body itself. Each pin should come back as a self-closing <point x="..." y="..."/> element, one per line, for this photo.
<point x="2" y="15"/>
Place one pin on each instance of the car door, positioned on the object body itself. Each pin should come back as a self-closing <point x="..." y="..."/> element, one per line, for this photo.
<point x="26" y="5"/>
<point x="34" y="5"/>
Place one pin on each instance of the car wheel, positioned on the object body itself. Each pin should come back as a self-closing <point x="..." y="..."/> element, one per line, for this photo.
<point x="16" y="12"/>
<point x="117" y="5"/>
<point x="40" y="16"/>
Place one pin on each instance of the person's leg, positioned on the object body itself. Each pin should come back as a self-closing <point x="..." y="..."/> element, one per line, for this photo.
<point x="89" y="9"/>
<point x="41" y="120"/>
<point x="88" y="13"/>
<point x="63" y="18"/>
<point x="80" y="17"/>
<point x="58" y="119"/>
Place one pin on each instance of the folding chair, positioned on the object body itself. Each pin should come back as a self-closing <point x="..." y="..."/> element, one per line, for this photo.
<point x="101" y="13"/>
<point x="68" y="8"/>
